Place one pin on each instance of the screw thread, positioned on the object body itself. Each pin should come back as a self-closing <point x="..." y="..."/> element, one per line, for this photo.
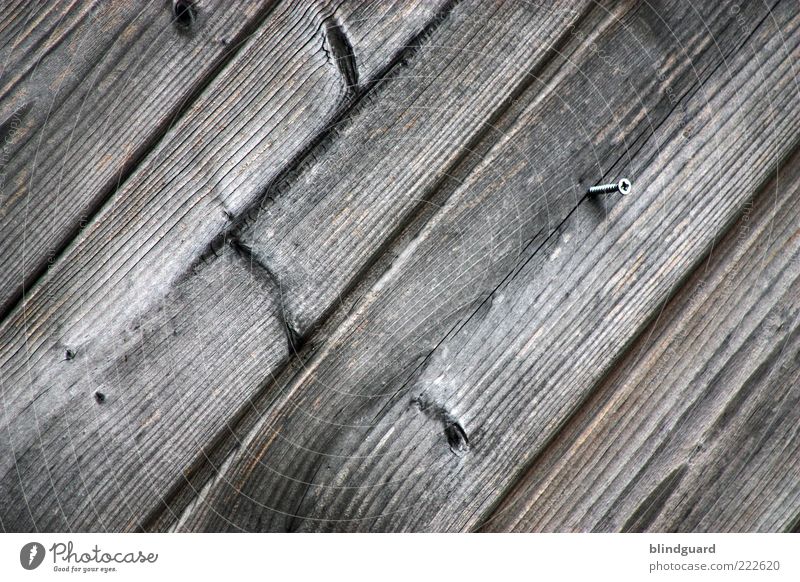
<point x="603" y="189"/>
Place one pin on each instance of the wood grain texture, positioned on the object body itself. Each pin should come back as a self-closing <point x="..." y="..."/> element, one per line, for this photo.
<point x="320" y="233"/>
<point x="697" y="429"/>
<point x="123" y="420"/>
<point x="419" y="411"/>
<point x="86" y="88"/>
<point x="354" y="281"/>
<point x="333" y="181"/>
<point x="134" y="260"/>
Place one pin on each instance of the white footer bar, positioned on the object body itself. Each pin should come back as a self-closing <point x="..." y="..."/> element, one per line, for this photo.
<point x="355" y="557"/>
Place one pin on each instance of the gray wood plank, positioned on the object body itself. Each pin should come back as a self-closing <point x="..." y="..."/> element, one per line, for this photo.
<point x="697" y="428"/>
<point x="406" y="107"/>
<point x="419" y="411"/>
<point x="319" y="234"/>
<point x="120" y="423"/>
<point x="428" y="74"/>
<point x="86" y="88"/>
<point x="136" y="261"/>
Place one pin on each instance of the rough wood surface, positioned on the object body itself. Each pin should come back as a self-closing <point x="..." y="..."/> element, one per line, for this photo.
<point x="392" y="426"/>
<point x="330" y="224"/>
<point x="697" y="430"/>
<point x="429" y="76"/>
<point x="350" y="278"/>
<point x="113" y="434"/>
<point x="332" y="181"/>
<point x="240" y="134"/>
<point x="86" y="88"/>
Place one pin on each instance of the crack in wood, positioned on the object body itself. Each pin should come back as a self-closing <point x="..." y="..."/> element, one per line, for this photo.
<point x="522" y="475"/>
<point x="135" y="158"/>
<point x="294" y="339"/>
<point x="342" y="52"/>
<point x="455" y="434"/>
<point x="648" y="510"/>
<point x="291" y="171"/>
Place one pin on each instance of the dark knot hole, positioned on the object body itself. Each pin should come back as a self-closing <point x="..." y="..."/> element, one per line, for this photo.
<point x="184" y="12"/>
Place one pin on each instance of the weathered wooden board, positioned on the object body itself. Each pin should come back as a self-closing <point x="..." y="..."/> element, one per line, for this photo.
<point x="86" y="88"/>
<point x="292" y="78"/>
<point x="483" y="298"/>
<point x="697" y="429"/>
<point x="429" y="76"/>
<point x="329" y="225"/>
<point x="403" y="110"/>
<point x="392" y="426"/>
<point x="122" y="424"/>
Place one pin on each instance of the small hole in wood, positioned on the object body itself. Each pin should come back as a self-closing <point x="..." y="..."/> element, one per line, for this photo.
<point x="69" y="355"/>
<point x="100" y="397"/>
<point x="184" y="12"/>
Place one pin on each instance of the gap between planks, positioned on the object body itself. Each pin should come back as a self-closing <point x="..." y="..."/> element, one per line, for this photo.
<point x="713" y="70"/>
<point x="68" y="225"/>
<point x="439" y="193"/>
<point x="646" y="357"/>
<point x="396" y="28"/>
<point x="491" y="133"/>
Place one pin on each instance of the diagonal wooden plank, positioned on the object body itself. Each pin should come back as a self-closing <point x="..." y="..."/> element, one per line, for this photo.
<point x="86" y="89"/>
<point x="425" y="79"/>
<point x="429" y="74"/>
<point x="390" y="426"/>
<point x="697" y="428"/>
<point x="73" y="333"/>
<point x="320" y="233"/>
<point x="113" y="436"/>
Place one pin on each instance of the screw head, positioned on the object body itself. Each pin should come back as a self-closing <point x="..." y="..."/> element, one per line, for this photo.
<point x="624" y="186"/>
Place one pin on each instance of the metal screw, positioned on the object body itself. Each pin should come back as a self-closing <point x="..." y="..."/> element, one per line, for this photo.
<point x="623" y="187"/>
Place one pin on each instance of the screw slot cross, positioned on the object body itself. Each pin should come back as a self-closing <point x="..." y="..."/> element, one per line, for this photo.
<point x="623" y="187"/>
